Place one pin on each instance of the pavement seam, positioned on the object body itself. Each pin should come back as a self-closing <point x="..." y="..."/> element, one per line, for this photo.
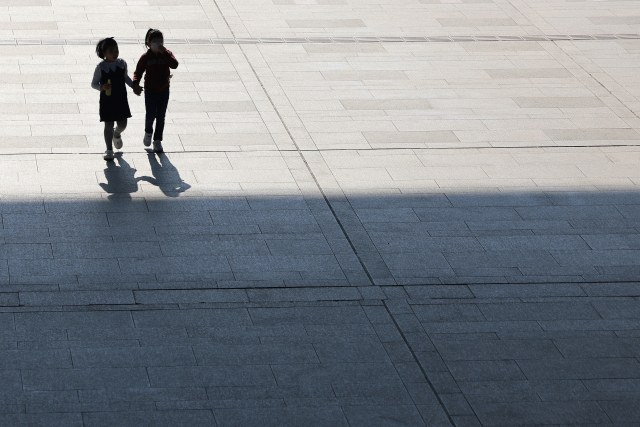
<point x="595" y="79"/>
<point x="415" y="358"/>
<point x="337" y="40"/>
<point x="315" y="180"/>
<point x="327" y="150"/>
<point x="337" y="219"/>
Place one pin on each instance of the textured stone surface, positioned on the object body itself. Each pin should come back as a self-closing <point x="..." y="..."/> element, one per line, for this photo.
<point x="364" y="232"/>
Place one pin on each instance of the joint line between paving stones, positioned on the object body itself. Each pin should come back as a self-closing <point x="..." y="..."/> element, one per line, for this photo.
<point x="334" y="39"/>
<point x="323" y="150"/>
<point x="415" y="358"/>
<point x="300" y="153"/>
<point x="624" y="104"/>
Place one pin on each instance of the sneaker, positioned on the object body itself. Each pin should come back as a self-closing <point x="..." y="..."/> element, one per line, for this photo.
<point x="117" y="141"/>
<point x="157" y="146"/>
<point x="147" y="139"/>
<point x="108" y="155"/>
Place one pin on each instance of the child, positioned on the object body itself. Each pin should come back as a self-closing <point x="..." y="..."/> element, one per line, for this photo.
<point x="156" y="63"/>
<point x="109" y="78"/>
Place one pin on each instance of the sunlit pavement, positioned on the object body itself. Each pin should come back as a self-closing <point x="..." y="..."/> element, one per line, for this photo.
<point x="369" y="213"/>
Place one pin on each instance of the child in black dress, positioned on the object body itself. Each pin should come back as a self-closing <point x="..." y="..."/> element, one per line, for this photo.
<point x="110" y="78"/>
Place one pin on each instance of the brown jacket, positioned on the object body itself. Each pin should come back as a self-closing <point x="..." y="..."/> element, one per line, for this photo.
<point x="157" y="68"/>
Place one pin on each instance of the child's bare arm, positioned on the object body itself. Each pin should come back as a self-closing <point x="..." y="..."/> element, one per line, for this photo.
<point x="95" y="82"/>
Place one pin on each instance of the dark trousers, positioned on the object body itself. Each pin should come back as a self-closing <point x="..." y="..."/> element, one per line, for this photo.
<point x="156" y="105"/>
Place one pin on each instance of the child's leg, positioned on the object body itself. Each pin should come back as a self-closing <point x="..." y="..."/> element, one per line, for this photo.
<point x="108" y="134"/>
<point x="163" y="101"/>
<point x="150" y="103"/>
<point x="122" y="125"/>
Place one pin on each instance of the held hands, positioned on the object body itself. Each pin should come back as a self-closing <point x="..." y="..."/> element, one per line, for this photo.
<point x="137" y="90"/>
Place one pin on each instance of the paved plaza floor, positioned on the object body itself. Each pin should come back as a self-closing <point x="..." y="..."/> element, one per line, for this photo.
<point x="369" y="213"/>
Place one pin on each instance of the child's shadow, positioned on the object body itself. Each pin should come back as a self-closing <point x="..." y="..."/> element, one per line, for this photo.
<point x="121" y="180"/>
<point x="165" y="176"/>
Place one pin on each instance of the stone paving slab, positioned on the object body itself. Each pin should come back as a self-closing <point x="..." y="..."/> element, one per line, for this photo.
<point x="368" y="214"/>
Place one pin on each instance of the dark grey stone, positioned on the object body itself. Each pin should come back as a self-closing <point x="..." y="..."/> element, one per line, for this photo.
<point x="41" y="420"/>
<point x="560" y="213"/>
<point x="584" y="369"/>
<point x="389" y="393"/>
<point x="497" y="349"/>
<point x="130" y="357"/>
<point x="499" y="391"/>
<point x="438" y="291"/>
<point x="485" y="370"/>
<point x="448" y="313"/>
<point x="283" y="263"/>
<point x="626" y="385"/>
<point x="185" y="247"/>
<point x="184" y="418"/>
<point x="158" y="218"/>
<point x="308" y="315"/>
<point x="346" y="352"/>
<point x="580" y="348"/>
<point x="628" y="308"/>
<point x="11" y="382"/>
<point x="146" y="394"/>
<point x="174" y="265"/>
<point x="305" y="294"/>
<point x="478" y="336"/>
<point x="190" y="296"/>
<point x="336" y="373"/>
<point x="476" y="213"/>
<point x="281" y="417"/>
<point x="474" y="327"/>
<point x="25" y="251"/>
<point x="112" y="334"/>
<point x="527" y="290"/>
<point x="612" y="289"/>
<point x="76" y="298"/>
<point x="534" y="259"/>
<point x="387" y="415"/>
<point x="443" y="382"/>
<point x="221" y="354"/>
<point x="535" y="413"/>
<point x="191" y="318"/>
<point x="9" y="299"/>
<point x="211" y="376"/>
<point x="622" y="411"/>
<point x="456" y="404"/>
<point x="107" y="250"/>
<point x="64" y="219"/>
<point x="35" y="359"/>
<point x="538" y="311"/>
<point x="59" y="267"/>
<point x="605" y="258"/>
<point x="524" y="243"/>
<point x="80" y="320"/>
<point x="346" y="331"/>
<point x="95" y="378"/>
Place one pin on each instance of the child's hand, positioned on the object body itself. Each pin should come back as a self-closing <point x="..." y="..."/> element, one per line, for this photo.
<point x="105" y="87"/>
<point x="162" y="49"/>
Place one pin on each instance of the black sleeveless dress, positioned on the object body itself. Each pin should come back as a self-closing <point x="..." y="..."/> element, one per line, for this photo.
<point x="116" y="106"/>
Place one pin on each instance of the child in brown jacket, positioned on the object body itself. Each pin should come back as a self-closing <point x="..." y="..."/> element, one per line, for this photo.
<point x="156" y="62"/>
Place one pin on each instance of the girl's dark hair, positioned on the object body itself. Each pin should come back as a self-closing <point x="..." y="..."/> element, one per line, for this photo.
<point x="105" y="44"/>
<point x="152" y="33"/>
